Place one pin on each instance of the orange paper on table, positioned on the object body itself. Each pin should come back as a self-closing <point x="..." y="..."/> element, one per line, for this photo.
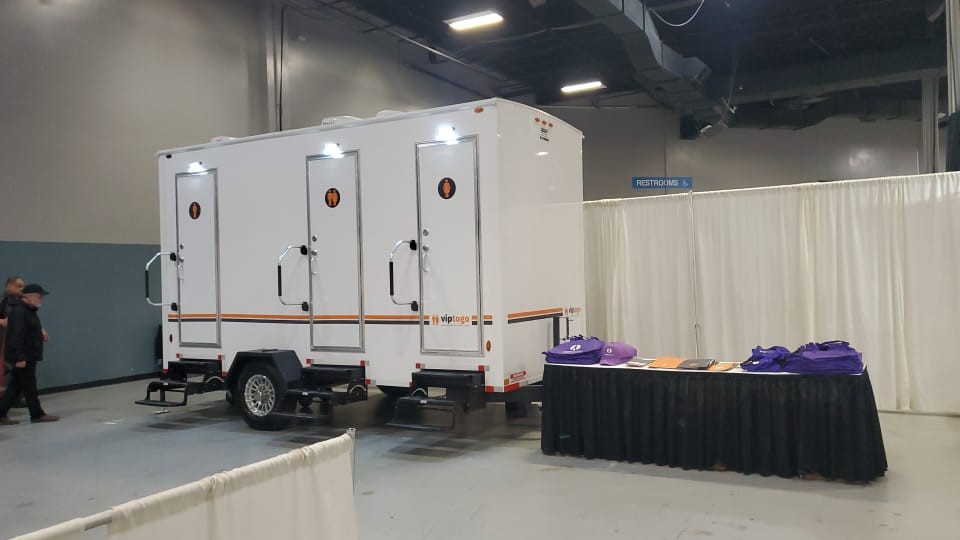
<point x="722" y="366"/>
<point x="667" y="362"/>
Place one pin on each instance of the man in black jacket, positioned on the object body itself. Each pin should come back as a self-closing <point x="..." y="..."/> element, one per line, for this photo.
<point x="23" y="349"/>
<point x="11" y="294"/>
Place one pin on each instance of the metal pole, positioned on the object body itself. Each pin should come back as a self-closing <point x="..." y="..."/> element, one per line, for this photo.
<point x="694" y="268"/>
<point x="930" y="106"/>
<point x="352" y="432"/>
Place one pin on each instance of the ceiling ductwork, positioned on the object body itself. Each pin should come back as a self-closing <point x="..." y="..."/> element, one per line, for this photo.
<point x="806" y="115"/>
<point x="670" y="78"/>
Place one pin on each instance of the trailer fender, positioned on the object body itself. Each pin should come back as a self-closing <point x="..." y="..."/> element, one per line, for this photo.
<point x="286" y="361"/>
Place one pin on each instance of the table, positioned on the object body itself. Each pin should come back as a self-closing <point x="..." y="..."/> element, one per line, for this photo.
<point x="771" y="424"/>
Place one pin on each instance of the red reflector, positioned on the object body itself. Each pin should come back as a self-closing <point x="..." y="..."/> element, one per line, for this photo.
<point x="481" y="368"/>
<point x="178" y="355"/>
<point x="511" y="388"/>
<point x="363" y="363"/>
<point x="366" y="381"/>
<point x="220" y="357"/>
<point x="419" y="366"/>
<point x="164" y="371"/>
<point x="309" y="361"/>
<point x="223" y="373"/>
<point x="488" y="389"/>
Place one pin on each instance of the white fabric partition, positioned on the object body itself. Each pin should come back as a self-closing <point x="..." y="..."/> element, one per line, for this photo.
<point x="639" y="270"/>
<point x="306" y="493"/>
<point x="873" y="262"/>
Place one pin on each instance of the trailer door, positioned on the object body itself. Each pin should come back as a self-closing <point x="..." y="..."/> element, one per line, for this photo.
<point x="447" y="195"/>
<point x="336" y="279"/>
<point x="198" y="259"/>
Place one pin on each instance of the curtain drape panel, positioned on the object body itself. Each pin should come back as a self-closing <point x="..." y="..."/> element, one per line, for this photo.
<point x="305" y="493"/>
<point x="874" y="262"/>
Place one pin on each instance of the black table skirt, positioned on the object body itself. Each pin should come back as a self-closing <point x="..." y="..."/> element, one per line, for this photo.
<point x="791" y="425"/>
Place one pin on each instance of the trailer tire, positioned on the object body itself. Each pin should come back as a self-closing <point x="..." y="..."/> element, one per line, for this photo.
<point x="393" y="391"/>
<point x="260" y="393"/>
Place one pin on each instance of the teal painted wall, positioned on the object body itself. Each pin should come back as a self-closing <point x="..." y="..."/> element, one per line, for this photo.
<point x="100" y="327"/>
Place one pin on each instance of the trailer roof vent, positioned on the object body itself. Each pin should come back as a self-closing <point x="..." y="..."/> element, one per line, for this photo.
<point x="333" y="120"/>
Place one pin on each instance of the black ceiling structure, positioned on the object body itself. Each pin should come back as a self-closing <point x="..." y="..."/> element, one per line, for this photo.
<point x="758" y="63"/>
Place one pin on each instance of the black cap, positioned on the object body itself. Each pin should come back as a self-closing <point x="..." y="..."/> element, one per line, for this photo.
<point x="35" y="288"/>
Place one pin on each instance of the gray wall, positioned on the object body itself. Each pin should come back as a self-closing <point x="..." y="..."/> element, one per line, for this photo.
<point x="621" y="144"/>
<point x="92" y="89"/>
<point x="100" y="327"/>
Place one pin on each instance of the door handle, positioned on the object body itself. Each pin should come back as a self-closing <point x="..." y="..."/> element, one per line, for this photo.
<point x="305" y="306"/>
<point x="423" y="259"/>
<point x="414" y="306"/>
<point x="146" y="275"/>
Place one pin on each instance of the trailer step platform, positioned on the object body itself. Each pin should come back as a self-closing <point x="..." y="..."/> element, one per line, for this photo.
<point x="413" y="412"/>
<point x="464" y="392"/>
<point x="186" y="388"/>
<point x="330" y="385"/>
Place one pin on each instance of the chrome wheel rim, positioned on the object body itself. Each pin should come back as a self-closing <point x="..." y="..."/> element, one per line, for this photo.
<point x="259" y="395"/>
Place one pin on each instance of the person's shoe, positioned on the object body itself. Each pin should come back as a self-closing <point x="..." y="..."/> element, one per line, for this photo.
<point x="44" y="419"/>
<point x="4" y="421"/>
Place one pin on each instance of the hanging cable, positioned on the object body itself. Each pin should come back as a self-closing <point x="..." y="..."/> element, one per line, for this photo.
<point x="684" y="23"/>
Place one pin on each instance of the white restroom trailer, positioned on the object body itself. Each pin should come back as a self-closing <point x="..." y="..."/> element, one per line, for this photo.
<point x="434" y="249"/>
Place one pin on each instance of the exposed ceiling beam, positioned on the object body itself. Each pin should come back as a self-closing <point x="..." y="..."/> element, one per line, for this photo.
<point x="825" y="77"/>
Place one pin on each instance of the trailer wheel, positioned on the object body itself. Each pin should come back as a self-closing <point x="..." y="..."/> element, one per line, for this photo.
<point x="394" y="391"/>
<point x="259" y="397"/>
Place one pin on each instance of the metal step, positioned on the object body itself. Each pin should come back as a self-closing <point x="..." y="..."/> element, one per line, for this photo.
<point x="409" y="413"/>
<point x="186" y="388"/>
<point x="162" y="404"/>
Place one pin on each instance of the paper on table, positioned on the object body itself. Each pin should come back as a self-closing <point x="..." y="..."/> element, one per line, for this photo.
<point x="722" y="366"/>
<point x="667" y="362"/>
<point x="639" y="362"/>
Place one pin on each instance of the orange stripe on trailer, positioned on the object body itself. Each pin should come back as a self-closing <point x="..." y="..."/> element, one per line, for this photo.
<point x="523" y="314"/>
<point x="264" y="316"/>
<point x="392" y="317"/>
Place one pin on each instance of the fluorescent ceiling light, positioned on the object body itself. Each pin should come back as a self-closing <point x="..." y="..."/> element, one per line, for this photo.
<point x="475" y="20"/>
<point x="542" y="153"/>
<point x="582" y="87"/>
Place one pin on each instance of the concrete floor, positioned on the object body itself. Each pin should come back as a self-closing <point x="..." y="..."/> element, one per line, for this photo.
<point x="488" y="480"/>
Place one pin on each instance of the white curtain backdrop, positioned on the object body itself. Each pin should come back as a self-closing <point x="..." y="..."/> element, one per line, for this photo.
<point x="873" y="262"/>
<point x="306" y="493"/>
<point x="639" y="271"/>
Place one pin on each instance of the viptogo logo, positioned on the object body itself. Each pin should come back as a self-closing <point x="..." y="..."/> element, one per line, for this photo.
<point x="451" y="320"/>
